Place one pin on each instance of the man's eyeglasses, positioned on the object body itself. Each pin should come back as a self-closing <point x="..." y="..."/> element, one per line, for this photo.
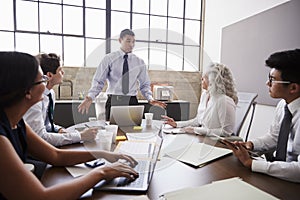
<point x="45" y="79"/>
<point x="272" y="80"/>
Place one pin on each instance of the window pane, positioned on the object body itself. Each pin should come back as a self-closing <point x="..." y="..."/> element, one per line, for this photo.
<point x="175" y="30"/>
<point x="159" y="7"/>
<point x="115" y="45"/>
<point x="191" y="58"/>
<point x="176" y="8"/>
<point x="51" y="44"/>
<point x="52" y="1"/>
<point x="123" y="5"/>
<point x="193" y="9"/>
<point x="27" y="20"/>
<point x="141" y="50"/>
<point x="6" y="41"/>
<point x="50" y="18"/>
<point x="120" y="21"/>
<point x="175" y="57"/>
<point x="73" y="2"/>
<point x="73" y="49"/>
<point x="140" y="6"/>
<point x="192" y="32"/>
<point x="95" y="23"/>
<point x="96" y="3"/>
<point x="95" y="52"/>
<point x="6" y="15"/>
<point x="72" y="15"/>
<point x="28" y="43"/>
<point x="140" y="24"/>
<point x="158" y="27"/>
<point x="157" y="58"/>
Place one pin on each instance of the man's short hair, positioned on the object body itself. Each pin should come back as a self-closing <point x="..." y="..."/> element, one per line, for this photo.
<point x="126" y="32"/>
<point x="288" y="63"/>
<point x="49" y="62"/>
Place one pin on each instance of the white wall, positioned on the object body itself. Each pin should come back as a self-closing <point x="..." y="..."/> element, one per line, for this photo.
<point x="221" y="13"/>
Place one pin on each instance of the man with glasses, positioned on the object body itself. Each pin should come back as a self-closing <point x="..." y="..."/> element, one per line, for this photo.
<point x="283" y="136"/>
<point x="40" y="116"/>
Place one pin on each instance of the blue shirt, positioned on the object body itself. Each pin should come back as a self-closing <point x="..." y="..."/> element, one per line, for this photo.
<point x="110" y="70"/>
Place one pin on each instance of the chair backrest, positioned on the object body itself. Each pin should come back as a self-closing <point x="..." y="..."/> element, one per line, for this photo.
<point x="246" y="100"/>
<point x="157" y="112"/>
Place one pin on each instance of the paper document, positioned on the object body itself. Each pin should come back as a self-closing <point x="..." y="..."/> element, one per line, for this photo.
<point x="198" y="154"/>
<point x="228" y="189"/>
<point x="137" y="149"/>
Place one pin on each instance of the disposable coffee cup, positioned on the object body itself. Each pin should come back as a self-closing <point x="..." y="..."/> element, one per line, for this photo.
<point x="148" y="117"/>
<point x="114" y="130"/>
<point x="105" y="140"/>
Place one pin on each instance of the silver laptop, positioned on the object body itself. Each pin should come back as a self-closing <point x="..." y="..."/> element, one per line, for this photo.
<point x="126" y="115"/>
<point x="146" y="153"/>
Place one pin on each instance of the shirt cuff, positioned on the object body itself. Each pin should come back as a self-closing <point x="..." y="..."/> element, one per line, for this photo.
<point x="259" y="166"/>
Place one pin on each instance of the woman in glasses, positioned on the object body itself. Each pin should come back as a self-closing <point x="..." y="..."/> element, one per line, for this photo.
<point x="216" y="111"/>
<point x="22" y="85"/>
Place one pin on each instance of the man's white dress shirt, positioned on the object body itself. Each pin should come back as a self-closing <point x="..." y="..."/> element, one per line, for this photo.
<point x="37" y="118"/>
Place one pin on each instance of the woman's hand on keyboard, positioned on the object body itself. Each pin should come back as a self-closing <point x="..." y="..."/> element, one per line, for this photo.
<point x="117" y="169"/>
<point x="114" y="157"/>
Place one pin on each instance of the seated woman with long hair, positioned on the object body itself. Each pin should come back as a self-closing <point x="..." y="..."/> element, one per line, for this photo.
<point x="216" y="111"/>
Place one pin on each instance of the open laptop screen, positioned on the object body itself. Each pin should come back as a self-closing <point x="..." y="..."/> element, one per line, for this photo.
<point x="126" y="115"/>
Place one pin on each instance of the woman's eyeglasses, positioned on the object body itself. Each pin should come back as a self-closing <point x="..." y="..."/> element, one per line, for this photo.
<point x="45" y="79"/>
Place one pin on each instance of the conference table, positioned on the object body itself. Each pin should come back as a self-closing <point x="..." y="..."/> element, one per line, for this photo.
<point x="171" y="175"/>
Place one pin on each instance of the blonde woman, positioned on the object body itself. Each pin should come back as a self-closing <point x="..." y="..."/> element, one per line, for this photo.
<point x="216" y="111"/>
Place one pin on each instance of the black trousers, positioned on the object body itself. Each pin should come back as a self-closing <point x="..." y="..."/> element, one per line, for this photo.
<point x="118" y="100"/>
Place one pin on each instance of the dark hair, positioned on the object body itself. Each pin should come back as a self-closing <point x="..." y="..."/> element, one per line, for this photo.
<point x="126" y="32"/>
<point x="288" y="63"/>
<point x="18" y="72"/>
<point x="49" y="62"/>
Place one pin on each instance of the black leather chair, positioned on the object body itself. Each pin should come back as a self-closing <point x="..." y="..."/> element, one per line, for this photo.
<point x="246" y="101"/>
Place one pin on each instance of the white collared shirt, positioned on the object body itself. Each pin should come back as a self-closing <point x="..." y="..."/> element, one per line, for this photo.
<point x="36" y="117"/>
<point x="289" y="170"/>
<point x="216" y="115"/>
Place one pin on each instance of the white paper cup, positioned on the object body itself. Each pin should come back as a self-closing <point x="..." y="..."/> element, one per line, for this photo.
<point x="105" y="139"/>
<point x="148" y="117"/>
<point x="114" y="130"/>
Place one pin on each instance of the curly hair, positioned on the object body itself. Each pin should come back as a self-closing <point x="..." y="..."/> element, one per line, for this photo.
<point x="221" y="81"/>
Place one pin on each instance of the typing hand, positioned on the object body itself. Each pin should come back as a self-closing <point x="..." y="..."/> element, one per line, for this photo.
<point x="158" y="103"/>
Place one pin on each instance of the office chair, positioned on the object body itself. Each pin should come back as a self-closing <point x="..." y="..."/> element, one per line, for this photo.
<point x="157" y="112"/>
<point x="246" y="100"/>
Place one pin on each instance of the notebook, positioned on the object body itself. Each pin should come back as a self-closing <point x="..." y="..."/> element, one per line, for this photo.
<point x="146" y="153"/>
<point x="126" y="115"/>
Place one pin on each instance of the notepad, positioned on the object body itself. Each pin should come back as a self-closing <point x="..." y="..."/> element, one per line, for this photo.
<point x="228" y="189"/>
<point x="198" y="154"/>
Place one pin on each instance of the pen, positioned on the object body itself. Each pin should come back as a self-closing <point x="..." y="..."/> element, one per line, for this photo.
<point x="87" y="126"/>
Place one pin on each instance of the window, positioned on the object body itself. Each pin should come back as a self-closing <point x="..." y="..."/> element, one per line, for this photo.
<point x="83" y="31"/>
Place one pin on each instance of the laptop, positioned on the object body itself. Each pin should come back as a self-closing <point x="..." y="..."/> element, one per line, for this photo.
<point x="126" y="115"/>
<point x="146" y="153"/>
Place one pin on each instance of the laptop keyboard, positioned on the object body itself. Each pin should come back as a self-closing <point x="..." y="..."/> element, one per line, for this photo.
<point x="143" y="168"/>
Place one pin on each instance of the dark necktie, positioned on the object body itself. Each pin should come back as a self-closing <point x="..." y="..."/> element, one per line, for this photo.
<point x="283" y="135"/>
<point x="50" y="111"/>
<point x="125" y="77"/>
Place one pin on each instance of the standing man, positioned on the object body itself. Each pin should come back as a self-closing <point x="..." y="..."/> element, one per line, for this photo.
<point x="284" y="133"/>
<point x="124" y="71"/>
<point x="40" y="116"/>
